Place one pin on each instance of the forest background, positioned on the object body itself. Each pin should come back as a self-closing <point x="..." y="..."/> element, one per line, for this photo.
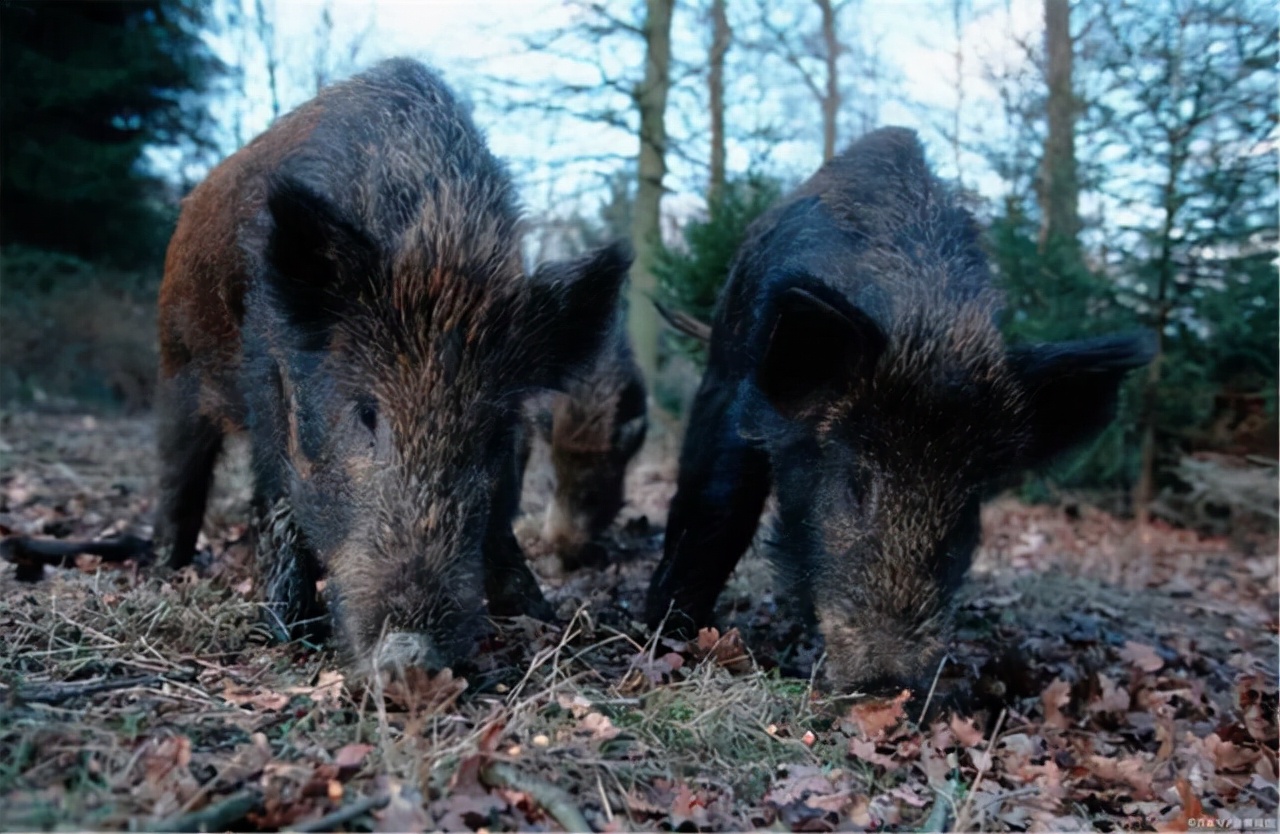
<point x="1121" y="155"/>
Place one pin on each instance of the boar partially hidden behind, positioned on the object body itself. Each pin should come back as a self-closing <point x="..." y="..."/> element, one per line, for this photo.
<point x="855" y="368"/>
<point x="348" y="287"/>
<point x="593" y="429"/>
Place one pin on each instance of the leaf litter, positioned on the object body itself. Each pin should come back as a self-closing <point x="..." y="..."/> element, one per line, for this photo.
<point x="1100" y="677"/>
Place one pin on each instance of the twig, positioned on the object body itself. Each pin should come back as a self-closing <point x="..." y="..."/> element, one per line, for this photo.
<point x="924" y="712"/>
<point x="937" y="819"/>
<point x="344" y="814"/>
<point x="684" y="323"/>
<point x="56" y="693"/>
<point x="604" y="798"/>
<point x="220" y="816"/>
<point x="555" y="800"/>
<point x="962" y="817"/>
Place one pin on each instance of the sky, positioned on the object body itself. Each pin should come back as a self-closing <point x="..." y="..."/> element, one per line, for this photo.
<point x="476" y="43"/>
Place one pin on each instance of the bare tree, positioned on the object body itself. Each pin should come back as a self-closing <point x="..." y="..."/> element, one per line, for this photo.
<point x="721" y="37"/>
<point x="830" y="49"/>
<point x="813" y="54"/>
<point x="591" y="81"/>
<point x="1189" y="104"/>
<point x="646" y="229"/>
<point x="831" y="97"/>
<point x="1058" y="188"/>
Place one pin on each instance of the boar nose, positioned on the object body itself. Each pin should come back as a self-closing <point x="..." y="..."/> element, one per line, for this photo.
<point x="401" y="650"/>
<point x="880" y="656"/>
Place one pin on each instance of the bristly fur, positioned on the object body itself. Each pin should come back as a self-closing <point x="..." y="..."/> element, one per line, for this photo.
<point x="364" y="313"/>
<point x="856" y="368"/>
<point x="594" y="428"/>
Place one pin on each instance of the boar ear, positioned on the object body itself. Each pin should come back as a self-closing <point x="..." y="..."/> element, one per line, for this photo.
<point x="819" y="343"/>
<point x="311" y="250"/>
<point x="575" y="303"/>
<point x="1072" y="388"/>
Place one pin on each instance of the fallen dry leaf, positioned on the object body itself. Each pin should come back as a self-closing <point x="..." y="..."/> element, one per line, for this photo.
<point x="1228" y="756"/>
<point x="873" y="718"/>
<point x="403" y="811"/>
<point x="248" y="696"/>
<point x="1056" y="696"/>
<point x="162" y="757"/>
<point x="597" y="726"/>
<point x="328" y="689"/>
<point x="351" y="756"/>
<point x="577" y="705"/>
<point x="1191" y="809"/>
<point x="1142" y="656"/>
<point x="687" y="807"/>
<point x="965" y="731"/>
<point x="1111" y="698"/>
<point x="418" y="691"/>
<point x="1130" y="770"/>
<point x="725" y="650"/>
<point x="800" y="783"/>
<point x="866" y="750"/>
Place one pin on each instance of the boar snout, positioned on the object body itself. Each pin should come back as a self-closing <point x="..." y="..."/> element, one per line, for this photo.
<point x="402" y="650"/>
<point x="564" y="531"/>
<point x="881" y="656"/>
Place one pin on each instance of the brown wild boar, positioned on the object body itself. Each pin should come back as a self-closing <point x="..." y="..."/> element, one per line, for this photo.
<point x="855" y="368"/>
<point x="348" y="288"/>
<point x="594" y="428"/>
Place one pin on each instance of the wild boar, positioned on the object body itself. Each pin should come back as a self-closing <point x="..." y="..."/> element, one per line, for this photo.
<point x="856" y="369"/>
<point x="348" y="288"/>
<point x="594" y="428"/>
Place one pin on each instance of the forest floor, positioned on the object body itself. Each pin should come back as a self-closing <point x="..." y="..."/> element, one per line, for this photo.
<point x="1101" y="678"/>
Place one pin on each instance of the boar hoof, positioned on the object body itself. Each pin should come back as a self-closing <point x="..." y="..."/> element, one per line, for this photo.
<point x="517" y="602"/>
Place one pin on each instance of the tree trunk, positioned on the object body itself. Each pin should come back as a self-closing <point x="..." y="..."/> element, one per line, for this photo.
<point x="1058" y="189"/>
<point x="646" y="230"/>
<point x="720" y="38"/>
<point x="1145" y="489"/>
<point x="831" y="98"/>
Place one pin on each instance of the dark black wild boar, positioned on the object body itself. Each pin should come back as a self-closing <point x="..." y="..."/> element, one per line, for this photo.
<point x="856" y="369"/>
<point x="348" y="287"/>
<point x="594" y="427"/>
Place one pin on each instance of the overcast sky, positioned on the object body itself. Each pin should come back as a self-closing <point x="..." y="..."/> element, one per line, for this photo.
<point x="472" y="41"/>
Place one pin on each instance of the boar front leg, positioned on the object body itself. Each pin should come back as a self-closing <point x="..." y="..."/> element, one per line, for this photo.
<point x="720" y="495"/>
<point x="509" y="584"/>
<point x="287" y="572"/>
<point x="189" y="446"/>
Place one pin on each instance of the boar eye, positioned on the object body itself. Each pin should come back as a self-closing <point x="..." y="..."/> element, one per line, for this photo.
<point x="369" y="415"/>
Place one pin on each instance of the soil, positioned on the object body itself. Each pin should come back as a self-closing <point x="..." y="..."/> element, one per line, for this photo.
<point x="1102" y="677"/>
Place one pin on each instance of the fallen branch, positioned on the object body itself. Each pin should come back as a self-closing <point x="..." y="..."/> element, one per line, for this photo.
<point x="220" y="816"/>
<point x="30" y="555"/>
<point x="345" y="814"/>
<point x="556" y="801"/>
<point x="56" y="693"/>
